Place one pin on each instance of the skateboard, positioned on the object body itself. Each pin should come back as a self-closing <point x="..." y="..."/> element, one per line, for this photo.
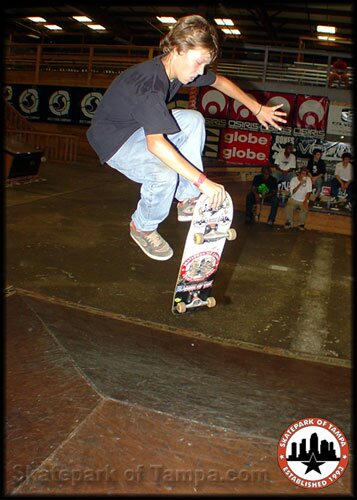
<point x="202" y="253"/>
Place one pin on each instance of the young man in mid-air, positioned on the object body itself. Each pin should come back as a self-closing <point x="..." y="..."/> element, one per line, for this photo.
<point x="135" y="133"/>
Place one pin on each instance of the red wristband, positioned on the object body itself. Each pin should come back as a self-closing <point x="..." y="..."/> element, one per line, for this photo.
<point x="199" y="181"/>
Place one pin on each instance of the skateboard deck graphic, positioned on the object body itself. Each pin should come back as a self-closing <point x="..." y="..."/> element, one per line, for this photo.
<point x="204" y="245"/>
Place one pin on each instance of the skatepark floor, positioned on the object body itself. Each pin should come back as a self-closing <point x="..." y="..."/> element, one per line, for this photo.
<point x="107" y="392"/>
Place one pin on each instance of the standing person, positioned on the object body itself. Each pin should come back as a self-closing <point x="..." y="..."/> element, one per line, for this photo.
<point x="285" y="164"/>
<point x="343" y="179"/>
<point x="317" y="170"/>
<point x="264" y="188"/>
<point x="300" y="192"/>
<point x="339" y="71"/>
<point x="135" y="133"/>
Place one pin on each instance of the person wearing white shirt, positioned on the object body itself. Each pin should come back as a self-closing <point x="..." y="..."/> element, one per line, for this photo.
<point x="285" y="165"/>
<point x="343" y="180"/>
<point x="300" y="192"/>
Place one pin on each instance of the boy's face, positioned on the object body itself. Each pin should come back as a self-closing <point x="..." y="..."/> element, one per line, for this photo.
<point x="302" y="175"/>
<point x="189" y="65"/>
<point x="346" y="160"/>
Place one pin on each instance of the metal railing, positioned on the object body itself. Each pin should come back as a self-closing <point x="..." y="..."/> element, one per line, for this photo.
<point x="55" y="147"/>
<point x="85" y="62"/>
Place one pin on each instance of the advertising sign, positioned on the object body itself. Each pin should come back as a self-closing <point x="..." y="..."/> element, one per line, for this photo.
<point x="340" y="119"/>
<point x="245" y="148"/>
<point x="310" y="115"/>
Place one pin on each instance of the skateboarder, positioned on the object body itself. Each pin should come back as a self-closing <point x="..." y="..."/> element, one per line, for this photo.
<point x="135" y="133"/>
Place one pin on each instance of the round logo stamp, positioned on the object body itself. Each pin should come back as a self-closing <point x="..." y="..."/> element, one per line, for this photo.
<point x="200" y="266"/>
<point x="313" y="453"/>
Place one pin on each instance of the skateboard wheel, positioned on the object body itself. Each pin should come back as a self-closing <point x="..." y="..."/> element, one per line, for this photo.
<point x="181" y="307"/>
<point x="198" y="238"/>
<point x="211" y="302"/>
<point x="232" y="234"/>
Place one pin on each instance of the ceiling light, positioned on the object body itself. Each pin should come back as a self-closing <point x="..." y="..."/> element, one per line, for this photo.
<point x="326" y="29"/>
<point x="229" y="31"/>
<point x="96" y="27"/>
<point x="37" y="19"/>
<point x="166" y="19"/>
<point x="82" y="19"/>
<point x="53" y="27"/>
<point x="326" y="37"/>
<point x="224" y="22"/>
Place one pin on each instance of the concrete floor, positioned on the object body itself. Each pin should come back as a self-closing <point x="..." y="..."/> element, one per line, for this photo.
<point x="277" y="291"/>
<point x="94" y="353"/>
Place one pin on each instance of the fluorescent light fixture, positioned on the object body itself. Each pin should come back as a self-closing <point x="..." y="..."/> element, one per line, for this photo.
<point x="96" y="27"/>
<point x="326" y="37"/>
<point x="53" y="27"/>
<point x="228" y="22"/>
<point x="166" y="19"/>
<point x="37" y="19"/>
<point x="224" y="22"/>
<point x="229" y="31"/>
<point x="326" y="29"/>
<point x="82" y="19"/>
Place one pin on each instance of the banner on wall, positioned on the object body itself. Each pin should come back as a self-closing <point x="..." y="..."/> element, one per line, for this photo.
<point x="213" y="103"/>
<point x="340" y="119"/>
<point x="288" y="102"/>
<point x="89" y="101"/>
<point x="239" y="112"/>
<point x="26" y="100"/>
<point x="59" y="106"/>
<point x="244" y="148"/>
<point x="54" y="104"/>
<point x="310" y="116"/>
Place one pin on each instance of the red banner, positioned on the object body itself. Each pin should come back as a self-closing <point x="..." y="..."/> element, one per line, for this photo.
<point x="311" y="112"/>
<point x="288" y="101"/>
<point x="213" y="103"/>
<point x="244" y="148"/>
<point x="237" y="110"/>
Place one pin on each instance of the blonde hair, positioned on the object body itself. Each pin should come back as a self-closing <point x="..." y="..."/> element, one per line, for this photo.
<point x="191" y="32"/>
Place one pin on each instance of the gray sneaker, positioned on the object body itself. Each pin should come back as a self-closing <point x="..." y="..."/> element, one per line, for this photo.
<point x="185" y="209"/>
<point x="151" y="243"/>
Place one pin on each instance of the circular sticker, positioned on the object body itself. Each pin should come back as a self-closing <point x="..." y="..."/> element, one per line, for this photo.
<point x="313" y="453"/>
<point x="200" y="266"/>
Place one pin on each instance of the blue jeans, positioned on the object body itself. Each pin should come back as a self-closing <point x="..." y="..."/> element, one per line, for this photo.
<point x="280" y="177"/>
<point x="160" y="183"/>
<point x="336" y="186"/>
<point x="318" y="185"/>
<point x="250" y="202"/>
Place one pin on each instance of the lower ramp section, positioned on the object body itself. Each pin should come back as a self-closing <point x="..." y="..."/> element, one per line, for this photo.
<point x="108" y="406"/>
<point x="46" y="395"/>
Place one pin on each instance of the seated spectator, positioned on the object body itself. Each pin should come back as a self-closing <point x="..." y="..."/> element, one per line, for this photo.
<point x="300" y="192"/>
<point x="316" y="170"/>
<point x="264" y="189"/>
<point x="343" y="179"/>
<point x="339" y="72"/>
<point x="285" y="165"/>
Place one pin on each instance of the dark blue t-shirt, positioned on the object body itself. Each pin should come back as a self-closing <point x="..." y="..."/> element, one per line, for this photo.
<point x="137" y="98"/>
